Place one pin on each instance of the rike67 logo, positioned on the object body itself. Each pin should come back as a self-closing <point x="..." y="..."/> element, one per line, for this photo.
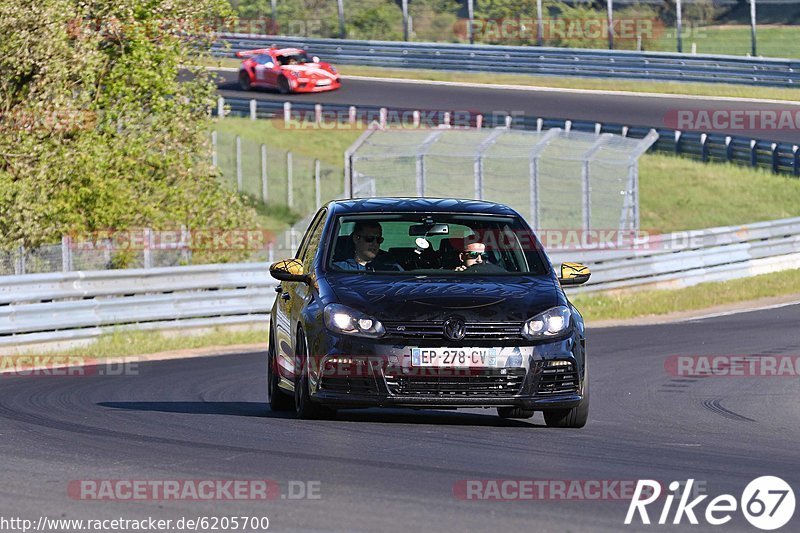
<point x="767" y="503"/>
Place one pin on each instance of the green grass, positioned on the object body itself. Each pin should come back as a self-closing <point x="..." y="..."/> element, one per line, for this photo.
<point x="679" y="194"/>
<point x="120" y="344"/>
<point x="705" y="295"/>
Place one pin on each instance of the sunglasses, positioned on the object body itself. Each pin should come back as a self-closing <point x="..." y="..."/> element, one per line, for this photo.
<point x="371" y="238"/>
<point x="475" y="255"/>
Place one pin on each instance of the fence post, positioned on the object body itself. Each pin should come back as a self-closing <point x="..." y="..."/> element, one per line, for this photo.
<point x="679" y="24"/>
<point x="340" y="10"/>
<point x="539" y="124"/>
<point x="567" y="125"/>
<point x="678" y="135"/>
<point x="479" y="121"/>
<point x="186" y="249"/>
<point x="383" y="113"/>
<point x="238" y="163"/>
<point x="447" y="118"/>
<point x="148" y="245"/>
<point x="415" y="118"/>
<point x="317" y="185"/>
<point x="19" y="264"/>
<point x="221" y="107"/>
<point x="287" y="114"/>
<point x="253" y="107"/>
<point x="214" y="149"/>
<point x="264" y="191"/>
<point x="289" y="185"/>
<point x="598" y="127"/>
<point x="404" y="6"/>
<point x="317" y="114"/>
<point x="66" y="253"/>
<point x="796" y="161"/>
<point x="753" y="153"/>
<point x="728" y="148"/>
<point x="351" y="115"/>
<point x="508" y="121"/>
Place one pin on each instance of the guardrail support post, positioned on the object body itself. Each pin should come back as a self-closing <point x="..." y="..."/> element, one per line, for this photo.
<point x="253" y="107"/>
<point x="351" y="115"/>
<point x="264" y="190"/>
<point x="19" y="264"/>
<point x="728" y="148"/>
<point x="704" y="147"/>
<point x="221" y="107"/>
<point x="383" y="113"/>
<point x="479" y="121"/>
<point x="796" y="161"/>
<point x="753" y="153"/>
<point x="148" y="247"/>
<point x="287" y="114"/>
<point x="678" y="135"/>
<point x="775" y="158"/>
<point x="318" y="114"/>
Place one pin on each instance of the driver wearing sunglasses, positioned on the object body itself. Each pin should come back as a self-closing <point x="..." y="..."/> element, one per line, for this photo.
<point x="367" y="239"/>
<point x="473" y="254"/>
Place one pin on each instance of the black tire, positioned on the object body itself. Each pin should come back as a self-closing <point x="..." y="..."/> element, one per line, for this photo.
<point x="514" y="412"/>
<point x="283" y="85"/>
<point x="244" y="81"/>
<point x="305" y="408"/>
<point x="571" y="418"/>
<point x="277" y="399"/>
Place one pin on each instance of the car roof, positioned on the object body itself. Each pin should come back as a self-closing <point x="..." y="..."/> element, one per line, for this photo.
<point x="422" y="205"/>
<point x="288" y="51"/>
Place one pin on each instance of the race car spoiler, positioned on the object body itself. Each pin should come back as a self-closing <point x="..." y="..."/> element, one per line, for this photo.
<point x="249" y="53"/>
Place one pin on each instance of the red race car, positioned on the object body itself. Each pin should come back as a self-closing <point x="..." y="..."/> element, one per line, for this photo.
<point x="289" y="70"/>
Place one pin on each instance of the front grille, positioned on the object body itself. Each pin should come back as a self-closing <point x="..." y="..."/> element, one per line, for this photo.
<point x="486" y="383"/>
<point x="349" y="384"/>
<point x="555" y="380"/>
<point x="474" y="330"/>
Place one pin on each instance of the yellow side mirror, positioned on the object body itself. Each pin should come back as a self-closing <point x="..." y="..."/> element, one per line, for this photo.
<point x="574" y="274"/>
<point x="288" y="270"/>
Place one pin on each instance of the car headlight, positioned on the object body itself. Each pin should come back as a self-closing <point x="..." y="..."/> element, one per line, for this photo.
<point x="341" y="319"/>
<point x="552" y="322"/>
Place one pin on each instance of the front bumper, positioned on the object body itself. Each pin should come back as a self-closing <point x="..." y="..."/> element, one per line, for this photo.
<point x="305" y="85"/>
<point x="360" y="373"/>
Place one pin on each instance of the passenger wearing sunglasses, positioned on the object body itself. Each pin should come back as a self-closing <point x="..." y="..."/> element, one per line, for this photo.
<point x="473" y="254"/>
<point x="367" y="239"/>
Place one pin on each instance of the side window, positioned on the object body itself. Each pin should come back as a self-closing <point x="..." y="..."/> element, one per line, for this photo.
<point x="313" y="228"/>
<point x="313" y="246"/>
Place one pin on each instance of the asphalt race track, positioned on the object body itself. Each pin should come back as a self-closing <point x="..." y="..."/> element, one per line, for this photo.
<point x="396" y="470"/>
<point x="621" y="109"/>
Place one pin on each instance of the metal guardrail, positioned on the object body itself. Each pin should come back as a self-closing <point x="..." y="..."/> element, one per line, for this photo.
<point x="682" y="259"/>
<point x="779" y="157"/>
<point x="656" y="66"/>
<point x="78" y="306"/>
<point x="47" y="308"/>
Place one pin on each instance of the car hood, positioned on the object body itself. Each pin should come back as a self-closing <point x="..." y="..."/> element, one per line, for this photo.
<point x="309" y="69"/>
<point x="495" y="298"/>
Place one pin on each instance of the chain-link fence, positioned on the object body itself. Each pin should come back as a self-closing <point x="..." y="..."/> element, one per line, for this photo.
<point x="738" y="27"/>
<point x="557" y="179"/>
<point x="275" y="177"/>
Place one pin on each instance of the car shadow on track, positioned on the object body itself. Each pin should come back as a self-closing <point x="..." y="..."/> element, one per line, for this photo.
<point x="381" y="416"/>
<point x="255" y="409"/>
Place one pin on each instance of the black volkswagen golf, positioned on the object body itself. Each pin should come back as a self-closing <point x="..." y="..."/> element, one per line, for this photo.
<point x="426" y="303"/>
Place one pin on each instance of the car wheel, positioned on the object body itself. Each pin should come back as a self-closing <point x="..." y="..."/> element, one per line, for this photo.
<point x="277" y="399"/>
<point x="283" y="85"/>
<point x="570" y="418"/>
<point x="244" y="81"/>
<point x="514" y="412"/>
<point x="305" y="408"/>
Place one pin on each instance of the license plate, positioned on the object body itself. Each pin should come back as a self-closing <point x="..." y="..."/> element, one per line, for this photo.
<point x="322" y="83"/>
<point x="454" y="357"/>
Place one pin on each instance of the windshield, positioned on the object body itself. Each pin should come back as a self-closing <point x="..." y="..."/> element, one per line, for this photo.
<point x="293" y="59"/>
<point x="461" y="244"/>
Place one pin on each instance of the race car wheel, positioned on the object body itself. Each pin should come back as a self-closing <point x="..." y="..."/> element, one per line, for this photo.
<point x="244" y="81"/>
<point x="277" y="399"/>
<point x="283" y="85"/>
<point x="305" y="408"/>
<point x="514" y="412"/>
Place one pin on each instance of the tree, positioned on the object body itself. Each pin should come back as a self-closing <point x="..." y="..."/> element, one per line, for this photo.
<point x="98" y="131"/>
